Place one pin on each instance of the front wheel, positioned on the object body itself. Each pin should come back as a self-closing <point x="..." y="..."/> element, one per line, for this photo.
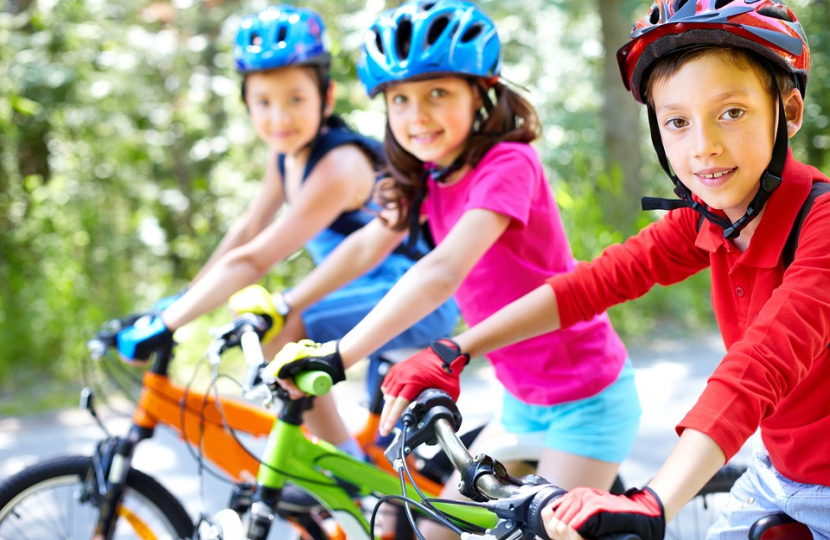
<point x="45" y="501"/>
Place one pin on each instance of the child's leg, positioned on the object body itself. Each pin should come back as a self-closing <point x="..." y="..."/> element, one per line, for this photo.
<point x="761" y="491"/>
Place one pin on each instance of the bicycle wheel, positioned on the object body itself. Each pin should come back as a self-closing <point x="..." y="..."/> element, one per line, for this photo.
<point x="701" y="512"/>
<point x="43" y="502"/>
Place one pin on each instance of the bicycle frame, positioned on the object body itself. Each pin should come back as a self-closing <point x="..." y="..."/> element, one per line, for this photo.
<point x="314" y="465"/>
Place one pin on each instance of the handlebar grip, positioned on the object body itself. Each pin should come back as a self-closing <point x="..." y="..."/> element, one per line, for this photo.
<point x="316" y="383"/>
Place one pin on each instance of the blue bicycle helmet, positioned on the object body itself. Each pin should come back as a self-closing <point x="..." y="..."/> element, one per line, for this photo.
<point x="428" y="37"/>
<point x="280" y="36"/>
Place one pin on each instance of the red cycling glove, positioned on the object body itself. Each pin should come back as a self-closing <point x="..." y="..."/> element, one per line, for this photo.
<point x="437" y="366"/>
<point x="595" y="513"/>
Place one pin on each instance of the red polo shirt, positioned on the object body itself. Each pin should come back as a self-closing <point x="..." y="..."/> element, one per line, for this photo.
<point x="775" y="324"/>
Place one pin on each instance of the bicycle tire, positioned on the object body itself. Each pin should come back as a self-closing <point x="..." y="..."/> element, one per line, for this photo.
<point x="695" y="518"/>
<point x="43" y="501"/>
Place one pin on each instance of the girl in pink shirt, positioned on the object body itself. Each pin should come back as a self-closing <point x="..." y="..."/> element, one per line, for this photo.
<point x="457" y="140"/>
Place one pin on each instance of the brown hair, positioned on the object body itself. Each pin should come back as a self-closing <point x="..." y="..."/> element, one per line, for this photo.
<point x="775" y="79"/>
<point x="512" y="118"/>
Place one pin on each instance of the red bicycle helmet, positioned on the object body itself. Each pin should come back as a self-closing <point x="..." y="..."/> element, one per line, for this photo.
<point x="765" y="27"/>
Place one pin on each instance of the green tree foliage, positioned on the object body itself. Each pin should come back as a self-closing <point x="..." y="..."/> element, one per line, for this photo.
<point x="125" y="152"/>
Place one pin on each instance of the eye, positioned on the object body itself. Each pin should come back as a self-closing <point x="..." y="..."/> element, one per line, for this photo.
<point x="733" y="114"/>
<point x="437" y="93"/>
<point x="296" y="100"/>
<point x="397" y="99"/>
<point x="676" y="123"/>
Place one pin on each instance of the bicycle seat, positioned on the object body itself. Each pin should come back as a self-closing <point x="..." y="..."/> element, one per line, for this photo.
<point x="779" y="526"/>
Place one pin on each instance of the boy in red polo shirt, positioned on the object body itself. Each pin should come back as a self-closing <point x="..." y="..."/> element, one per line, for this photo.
<point x="724" y="83"/>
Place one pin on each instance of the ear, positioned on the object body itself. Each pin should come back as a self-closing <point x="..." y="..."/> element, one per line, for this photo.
<point x="329" y="108"/>
<point x="794" y="109"/>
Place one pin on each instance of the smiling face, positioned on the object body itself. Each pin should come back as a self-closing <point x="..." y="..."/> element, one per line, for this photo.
<point x="717" y="121"/>
<point x="431" y="119"/>
<point x="285" y="106"/>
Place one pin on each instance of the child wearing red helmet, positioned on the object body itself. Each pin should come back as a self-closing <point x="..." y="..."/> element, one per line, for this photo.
<point x="724" y="82"/>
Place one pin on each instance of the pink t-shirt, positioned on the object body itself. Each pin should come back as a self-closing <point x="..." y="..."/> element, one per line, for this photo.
<point x="561" y="366"/>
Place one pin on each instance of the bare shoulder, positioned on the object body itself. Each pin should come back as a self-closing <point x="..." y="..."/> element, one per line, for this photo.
<point x="346" y="161"/>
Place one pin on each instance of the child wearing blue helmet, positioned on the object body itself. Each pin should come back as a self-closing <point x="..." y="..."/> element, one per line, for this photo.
<point x="325" y="173"/>
<point x="457" y="140"/>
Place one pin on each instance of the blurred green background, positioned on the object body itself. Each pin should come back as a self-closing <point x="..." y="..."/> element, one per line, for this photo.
<point x="125" y="154"/>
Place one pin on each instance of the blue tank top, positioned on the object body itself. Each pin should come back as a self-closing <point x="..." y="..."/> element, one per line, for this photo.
<point x="337" y="133"/>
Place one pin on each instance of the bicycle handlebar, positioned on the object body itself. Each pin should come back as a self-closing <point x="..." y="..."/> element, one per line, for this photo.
<point x="517" y="503"/>
<point x="246" y="331"/>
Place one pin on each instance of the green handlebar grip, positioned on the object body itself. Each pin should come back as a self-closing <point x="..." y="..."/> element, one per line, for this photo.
<point x="316" y="383"/>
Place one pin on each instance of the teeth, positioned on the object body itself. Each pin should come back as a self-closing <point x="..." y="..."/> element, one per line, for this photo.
<point x="715" y="175"/>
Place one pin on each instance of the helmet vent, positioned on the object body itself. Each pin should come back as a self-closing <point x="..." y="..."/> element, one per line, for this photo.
<point x="403" y="38"/>
<point x="378" y="42"/>
<point x="678" y="5"/>
<point x="776" y="12"/>
<point x="256" y="39"/>
<point x="654" y="16"/>
<point x="437" y="29"/>
<point x="471" y="33"/>
<point x="281" y="34"/>
<point x="721" y="3"/>
<point x="429" y="5"/>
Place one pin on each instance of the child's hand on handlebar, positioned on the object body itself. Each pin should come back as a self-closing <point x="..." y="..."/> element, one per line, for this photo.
<point x="557" y="530"/>
<point x="305" y="355"/>
<point x="257" y="300"/>
<point x="595" y="513"/>
<point x="437" y="366"/>
<point x="147" y="335"/>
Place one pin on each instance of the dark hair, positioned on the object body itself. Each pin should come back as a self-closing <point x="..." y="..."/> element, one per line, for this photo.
<point x="512" y="118"/>
<point x="775" y="79"/>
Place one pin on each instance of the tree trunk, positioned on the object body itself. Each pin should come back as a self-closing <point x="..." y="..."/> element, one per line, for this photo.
<point x="622" y="190"/>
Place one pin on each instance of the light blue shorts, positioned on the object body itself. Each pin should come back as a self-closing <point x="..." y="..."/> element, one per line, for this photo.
<point x="603" y="426"/>
<point x="762" y="490"/>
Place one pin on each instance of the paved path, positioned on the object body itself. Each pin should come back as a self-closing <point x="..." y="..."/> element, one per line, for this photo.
<point x="669" y="377"/>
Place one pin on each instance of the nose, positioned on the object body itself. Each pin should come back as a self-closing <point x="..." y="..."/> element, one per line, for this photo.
<point x="277" y="115"/>
<point x="706" y="140"/>
<point x="418" y="111"/>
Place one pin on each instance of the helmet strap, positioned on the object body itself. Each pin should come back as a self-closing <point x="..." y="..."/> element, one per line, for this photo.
<point x="770" y="179"/>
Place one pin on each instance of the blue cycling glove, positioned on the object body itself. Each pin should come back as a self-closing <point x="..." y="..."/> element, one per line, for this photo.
<point x="142" y="339"/>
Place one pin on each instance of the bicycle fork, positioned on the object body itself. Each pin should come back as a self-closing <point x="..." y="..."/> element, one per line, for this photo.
<point x="106" y="479"/>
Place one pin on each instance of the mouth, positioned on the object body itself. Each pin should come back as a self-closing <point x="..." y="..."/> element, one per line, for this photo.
<point x="425" y="137"/>
<point x="713" y="178"/>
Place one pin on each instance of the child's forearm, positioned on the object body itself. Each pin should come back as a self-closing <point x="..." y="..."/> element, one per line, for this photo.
<point x="532" y="315"/>
<point x="694" y="460"/>
<point x="227" y="276"/>
<point x="419" y="292"/>
<point x="357" y="254"/>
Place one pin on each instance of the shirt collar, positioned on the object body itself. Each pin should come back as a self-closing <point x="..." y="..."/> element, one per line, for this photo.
<point x="776" y="222"/>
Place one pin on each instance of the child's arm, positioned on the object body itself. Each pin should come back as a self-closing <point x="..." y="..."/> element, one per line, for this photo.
<point x="591" y="512"/>
<point x="259" y="214"/>
<point x="534" y="314"/>
<point x="326" y="193"/>
<point x="357" y="254"/>
<point x="429" y="283"/>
